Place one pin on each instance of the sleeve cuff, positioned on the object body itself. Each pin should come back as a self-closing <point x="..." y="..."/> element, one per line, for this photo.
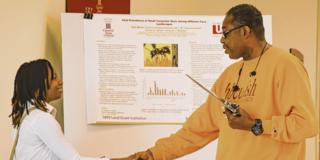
<point x="267" y="126"/>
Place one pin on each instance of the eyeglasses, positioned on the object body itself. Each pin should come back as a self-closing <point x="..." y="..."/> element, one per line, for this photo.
<point x="226" y="33"/>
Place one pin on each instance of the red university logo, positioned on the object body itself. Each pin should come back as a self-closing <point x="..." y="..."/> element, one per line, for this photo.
<point x="216" y="29"/>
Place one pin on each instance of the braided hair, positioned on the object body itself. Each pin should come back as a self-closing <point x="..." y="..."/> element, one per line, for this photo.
<point x="30" y="86"/>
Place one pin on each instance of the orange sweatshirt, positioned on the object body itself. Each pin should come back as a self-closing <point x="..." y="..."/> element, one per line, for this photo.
<point x="279" y="94"/>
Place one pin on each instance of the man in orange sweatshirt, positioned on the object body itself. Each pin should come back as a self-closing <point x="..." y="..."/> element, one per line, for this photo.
<point x="273" y="90"/>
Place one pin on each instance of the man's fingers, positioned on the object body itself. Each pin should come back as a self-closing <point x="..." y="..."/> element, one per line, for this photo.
<point x="128" y="158"/>
<point x="142" y="156"/>
<point x="228" y="113"/>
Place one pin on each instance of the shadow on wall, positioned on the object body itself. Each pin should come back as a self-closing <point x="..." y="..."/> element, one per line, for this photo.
<point x="53" y="52"/>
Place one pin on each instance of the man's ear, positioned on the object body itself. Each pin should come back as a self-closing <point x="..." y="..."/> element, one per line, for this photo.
<point x="246" y="31"/>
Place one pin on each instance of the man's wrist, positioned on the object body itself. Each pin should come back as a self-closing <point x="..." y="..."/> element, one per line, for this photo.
<point x="250" y="124"/>
<point x="257" y="128"/>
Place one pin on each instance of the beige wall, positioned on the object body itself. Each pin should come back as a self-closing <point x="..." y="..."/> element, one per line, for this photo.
<point x="318" y="79"/>
<point x="31" y="29"/>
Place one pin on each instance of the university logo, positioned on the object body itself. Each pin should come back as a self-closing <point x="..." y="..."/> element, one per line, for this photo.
<point x="216" y="29"/>
<point x="108" y="30"/>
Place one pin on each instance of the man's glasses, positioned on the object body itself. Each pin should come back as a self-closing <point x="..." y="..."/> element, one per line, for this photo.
<point x="226" y="33"/>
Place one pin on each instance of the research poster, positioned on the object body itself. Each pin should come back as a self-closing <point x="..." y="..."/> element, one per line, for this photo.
<point x="135" y="66"/>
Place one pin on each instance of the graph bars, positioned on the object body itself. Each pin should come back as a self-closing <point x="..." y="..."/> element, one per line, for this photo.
<point x="157" y="91"/>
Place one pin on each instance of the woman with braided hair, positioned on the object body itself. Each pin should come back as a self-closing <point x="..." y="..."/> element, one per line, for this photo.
<point x="38" y="136"/>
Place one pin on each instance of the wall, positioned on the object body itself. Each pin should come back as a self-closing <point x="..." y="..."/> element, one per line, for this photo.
<point x="31" y="29"/>
<point x="318" y="79"/>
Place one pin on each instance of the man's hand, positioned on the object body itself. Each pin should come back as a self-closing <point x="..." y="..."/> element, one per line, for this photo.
<point x="125" y="158"/>
<point x="243" y="122"/>
<point x="144" y="155"/>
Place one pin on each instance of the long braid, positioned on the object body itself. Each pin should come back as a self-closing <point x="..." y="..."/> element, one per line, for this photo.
<point x="30" y="85"/>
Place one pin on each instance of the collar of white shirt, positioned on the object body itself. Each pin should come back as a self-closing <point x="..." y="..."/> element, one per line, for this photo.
<point x="51" y="109"/>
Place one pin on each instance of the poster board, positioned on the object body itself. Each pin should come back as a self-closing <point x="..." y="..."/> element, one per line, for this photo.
<point x="135" y="66"/>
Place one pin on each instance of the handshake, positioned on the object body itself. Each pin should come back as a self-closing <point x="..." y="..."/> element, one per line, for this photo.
<point x="144" y="155"/>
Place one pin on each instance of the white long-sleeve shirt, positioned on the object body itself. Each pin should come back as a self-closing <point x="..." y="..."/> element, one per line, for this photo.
<point x="41" y="138"/>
